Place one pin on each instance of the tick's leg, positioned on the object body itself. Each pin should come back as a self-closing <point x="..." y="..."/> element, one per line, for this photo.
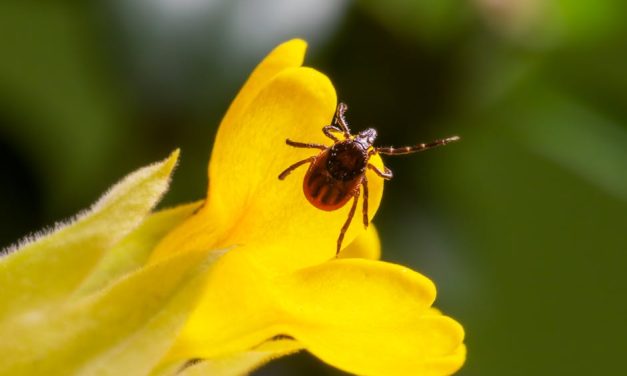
<point x="415" y="148"/>
<point x="351" y="213"/>
<point x="387" y="174"/>
<point x="331" y="128"/>
<point x="364" y="183"/>
<point x="305" y="145"/>
<point x="341" y="121"/>
<point x="293" y="167"/>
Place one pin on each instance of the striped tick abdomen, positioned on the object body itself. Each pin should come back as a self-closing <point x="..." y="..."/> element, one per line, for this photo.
<point x="335" y="174"/>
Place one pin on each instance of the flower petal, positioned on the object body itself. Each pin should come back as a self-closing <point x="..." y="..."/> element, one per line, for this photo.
<point x="371" y="318"/>
<point x="366" y="245"/>
<point x="425" y="348"/>
<point x="391" y="292"/>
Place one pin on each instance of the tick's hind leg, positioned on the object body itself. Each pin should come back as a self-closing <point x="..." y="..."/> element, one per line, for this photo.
<point x="351" y="213"/>
<point x="293" y="167"/>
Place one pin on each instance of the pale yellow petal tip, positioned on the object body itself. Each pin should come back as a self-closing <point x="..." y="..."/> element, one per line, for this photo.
<point x="172" y="160"/>
<point x="175" y="153"/>
<point x="169" y="164"/>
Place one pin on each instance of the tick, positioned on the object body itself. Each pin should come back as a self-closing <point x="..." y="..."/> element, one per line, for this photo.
<point x="338" y="173"/>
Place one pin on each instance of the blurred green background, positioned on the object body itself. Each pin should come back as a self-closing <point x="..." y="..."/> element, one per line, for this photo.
<point x="522" y="225"/>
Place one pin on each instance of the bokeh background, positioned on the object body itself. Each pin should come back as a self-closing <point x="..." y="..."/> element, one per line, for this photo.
<point x="522" y="225"/>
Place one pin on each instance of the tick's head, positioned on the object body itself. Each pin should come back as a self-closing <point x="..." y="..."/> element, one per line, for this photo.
<point x="367" y="137"/>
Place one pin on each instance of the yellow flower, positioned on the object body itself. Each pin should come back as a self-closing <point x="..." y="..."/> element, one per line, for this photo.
<point x="280" y="276"/>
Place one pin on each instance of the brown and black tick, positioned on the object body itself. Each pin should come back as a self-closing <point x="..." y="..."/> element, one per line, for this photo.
<point x="338" y="172"/>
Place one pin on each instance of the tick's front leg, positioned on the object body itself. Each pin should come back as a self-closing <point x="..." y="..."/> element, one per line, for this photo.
<point x="305" y="145"/>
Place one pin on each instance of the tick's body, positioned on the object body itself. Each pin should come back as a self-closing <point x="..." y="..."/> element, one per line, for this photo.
<point x="336" y="174"/>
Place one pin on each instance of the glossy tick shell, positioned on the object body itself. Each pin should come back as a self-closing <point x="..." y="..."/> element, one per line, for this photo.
<point x="335" y="175"/>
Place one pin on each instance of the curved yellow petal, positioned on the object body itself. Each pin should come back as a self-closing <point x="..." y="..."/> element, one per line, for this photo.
<point x="430" y="346"/>
<point x="366" y="245"/>
<point x="248" y="205"/>
<point x="371" y="318"/>
<point x="356" y="292"/>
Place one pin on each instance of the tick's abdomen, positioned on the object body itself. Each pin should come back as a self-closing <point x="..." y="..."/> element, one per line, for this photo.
<point x="333" y="177"/>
